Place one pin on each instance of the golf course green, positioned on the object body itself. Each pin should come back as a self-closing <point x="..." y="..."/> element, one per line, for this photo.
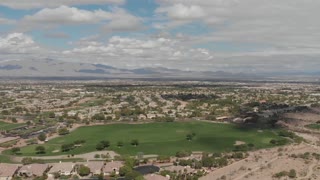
<point x="8" y="126"/>
<point x="158" y="138"/>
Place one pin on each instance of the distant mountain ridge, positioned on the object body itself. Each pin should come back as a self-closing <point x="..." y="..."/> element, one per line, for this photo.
<point x="54" y="68"/>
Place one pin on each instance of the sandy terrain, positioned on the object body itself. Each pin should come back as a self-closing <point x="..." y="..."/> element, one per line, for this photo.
<point x="263" y="164"/>
<point x="302" y="118"/>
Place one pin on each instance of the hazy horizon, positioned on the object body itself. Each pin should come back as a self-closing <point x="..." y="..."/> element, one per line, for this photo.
<point x="247" y="36"/>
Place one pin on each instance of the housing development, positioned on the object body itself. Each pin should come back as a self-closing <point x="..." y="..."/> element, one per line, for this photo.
<point x="159" y="90"/>
<point x="159" y="130"/>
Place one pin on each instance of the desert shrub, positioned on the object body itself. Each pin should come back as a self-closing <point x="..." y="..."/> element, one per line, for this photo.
<point x="292" y="173"/>
<point x="280" y="174"/>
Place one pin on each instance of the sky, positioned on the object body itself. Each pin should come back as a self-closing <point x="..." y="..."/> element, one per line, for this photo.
<point x="250" y="36"/>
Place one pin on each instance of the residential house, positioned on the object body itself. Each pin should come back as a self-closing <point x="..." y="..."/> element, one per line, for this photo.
<point x="154" y="177"/>
<point x="95" y="167"/>
<point x="33" y="170"/>
<point x="112" y="167"/>
<point x="142" y="117"/>
<point x="7" y="171"/>
<point x="223" y="118"/>
<point x="151" y="116"/>
<point x="72" y="113"/>
<point x="65" y="168"/>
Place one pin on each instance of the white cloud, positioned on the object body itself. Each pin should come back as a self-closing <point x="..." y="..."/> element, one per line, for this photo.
<point x="267" y="34"/>
<point x="116" y="19"/>
<point x="67" y="15"/>
<point x="170" y="52"/>
<point x="6" y="21"/>
<point x="183" y="12"/>
<point x="134" y="52"/>
<point x="17" y="43"/>
<point x="287" y="26"/>
<point x="123" y="21"/>
<point x="32" y="4"/>
<point x="179" y="12"/>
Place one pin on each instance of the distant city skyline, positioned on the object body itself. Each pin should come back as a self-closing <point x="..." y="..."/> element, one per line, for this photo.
<point x="250" y="36"/>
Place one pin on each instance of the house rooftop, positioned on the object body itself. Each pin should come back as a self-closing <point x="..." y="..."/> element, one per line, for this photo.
<point x="35" y="169"/>
<point x="62" y="167"/>
<point x="94" y="165"/>
<point x="110" y="166"/>
<point x="8" y="170"/>
<point x="154" y="177"/>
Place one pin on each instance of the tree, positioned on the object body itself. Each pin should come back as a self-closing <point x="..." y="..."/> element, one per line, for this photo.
<point x="83" y="170"/>
<point x="43" y="177"/>
<point x="66" y="147"/>
<point x="14" y="120"/>
<point x="27" y="160"/>
<point x="99" y="117"/>
<point x="183" y="153"/>
<point x="131" y="162"/>
<point x="292" y="173"/>
<point x="207" y="162"/>
<point x="100" y="146"/>
<point x="15" y="150"/>
<point x="105" y="143"/>
<point x="163" y="158"/>
<point x="51" y="115"/>
<point x="189" y="137"/>
<point x="40" y="150"/>
<point x="5" y="112"/>
<point x="120" y="144"/>
<point x="135" y="142"/>
<point x="75" y="177"/>
<point x="63" y="131"/>
<point x="124" y="170"/>
<point x="101" y="176"/>
<point x="29" y="123"/>
<point x="222" y="162"/>
<point x="109" y="118"/>
<point x="42" y="137"/>
<point x="133" y="175"/>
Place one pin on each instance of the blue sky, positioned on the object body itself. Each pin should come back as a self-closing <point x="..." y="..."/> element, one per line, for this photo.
<point x="141" y="8"/>
<point x="228" y="35"/>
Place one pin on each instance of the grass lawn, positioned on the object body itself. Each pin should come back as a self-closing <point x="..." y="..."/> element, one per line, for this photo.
<point x="62" y="160"/>
<point x="313" y="126"/>
<point x="8" y="126"/>
<point x="5" y="159"/>
<point x="159" y="138"/>
<point x="97" y="102"/>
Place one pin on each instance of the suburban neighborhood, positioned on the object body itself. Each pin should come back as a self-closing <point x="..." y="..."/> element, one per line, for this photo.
<point x="56" y="130"/>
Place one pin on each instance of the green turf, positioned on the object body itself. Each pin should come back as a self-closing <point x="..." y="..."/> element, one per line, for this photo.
<point x="8" y="126"/>
<point x="160" y="138"/>
<point x="62" y="160"/>
<point x="313" y="126"/>
<point x="5" y="159"/>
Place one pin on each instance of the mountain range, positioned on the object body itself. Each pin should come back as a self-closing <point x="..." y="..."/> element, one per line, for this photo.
<point x="44" y="68"/>
<point x="56" y="68"/>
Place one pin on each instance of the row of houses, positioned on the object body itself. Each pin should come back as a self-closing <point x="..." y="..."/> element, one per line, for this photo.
<point x="8" y="171"/>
